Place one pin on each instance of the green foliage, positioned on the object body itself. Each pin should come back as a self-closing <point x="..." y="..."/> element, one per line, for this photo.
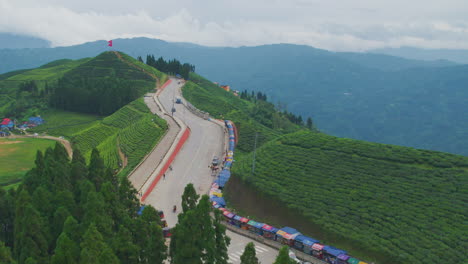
<point x="189" y="198"/>
<point x="94" y="250"/>
<point x="101" y="85"/>
<point x="172" y="66"/>
<point x="367" y="194"/>
<point x="198" y="238"/>
<point x="23" y="101"/>
<point x="283" y="257"/>
<point x="93" y="220"/>
<point x="5" y="254"/>
<point x="249" y="255"/>
<point x="132" y="128"/>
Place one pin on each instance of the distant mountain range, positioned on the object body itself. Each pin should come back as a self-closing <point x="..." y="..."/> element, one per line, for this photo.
<point x="364" y="96"/>
<point x="459" y="56"/>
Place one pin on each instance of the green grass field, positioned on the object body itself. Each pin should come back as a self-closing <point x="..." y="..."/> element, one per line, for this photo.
<point x="63" y="123"/>
<point x="17" y="157"/>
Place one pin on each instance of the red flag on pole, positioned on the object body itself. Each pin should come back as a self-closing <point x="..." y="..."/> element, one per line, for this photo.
<point x="109" y="43"/>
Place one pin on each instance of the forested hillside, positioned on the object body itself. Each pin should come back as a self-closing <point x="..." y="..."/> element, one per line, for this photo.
<point x="371" y="97"/>
<point x="68" y="212"/>
<point x="395" y="204"/>
<point x="101" y="86"/>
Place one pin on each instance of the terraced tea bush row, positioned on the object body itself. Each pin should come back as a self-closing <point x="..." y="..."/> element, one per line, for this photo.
<point x="139" y="138"/>
<point x="133" y="127"/>
<point x="123" y="117"/>
<point x="109" y="152"/>
<point x="407" y="212"/>
<point x="93" y="137"/>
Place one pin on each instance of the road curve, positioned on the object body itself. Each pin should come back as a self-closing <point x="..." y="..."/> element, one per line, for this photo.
<point x="207" y="140"/>
<point x="191" y="163"/>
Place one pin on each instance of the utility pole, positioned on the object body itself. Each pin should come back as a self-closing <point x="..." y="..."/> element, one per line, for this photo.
<point x="255" y="153"/>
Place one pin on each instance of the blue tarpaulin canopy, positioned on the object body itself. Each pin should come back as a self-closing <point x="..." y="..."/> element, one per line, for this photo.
<point x="308" y="241"/>
<point x="141" y="210"/>
<point x="334" y="251"/>
<point x="225" y="173"/>
<point x="218" y="200"/>
<point x="289" y="230"/>
<point x="269" y="228"/>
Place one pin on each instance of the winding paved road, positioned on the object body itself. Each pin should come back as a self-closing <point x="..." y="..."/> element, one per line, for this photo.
<point x="206" y="140"/>
<point x="191" y="164"/>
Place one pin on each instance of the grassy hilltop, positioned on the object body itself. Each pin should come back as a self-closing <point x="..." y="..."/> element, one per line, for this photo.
<point x="382" y="203"/>
<point x="93" y="102"/>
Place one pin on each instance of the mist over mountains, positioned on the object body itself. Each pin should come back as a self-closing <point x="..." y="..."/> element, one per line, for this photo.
<point x="372" y="97"/>
<point x="14" y="41"/>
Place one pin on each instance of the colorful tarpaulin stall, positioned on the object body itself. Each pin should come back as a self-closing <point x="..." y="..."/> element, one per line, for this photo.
<point x="255" y="227"/>
<point x="331" y="254"/>
<point x="228" y="214"/>
<point x="269" y="231"/>
<point x="286" y="235"/>
<point x="342" y="259"/>
<point x="237" y="221"/>
<point x="317" y="250"/>
<point x="353" y="261"/>
<point x="304" y="243"/>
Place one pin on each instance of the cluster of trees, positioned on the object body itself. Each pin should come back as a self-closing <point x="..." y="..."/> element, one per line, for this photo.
<point x="68" y="212"/>
<point x="198" y="237"/>
<point x="366" y="196"/>
<point x="93" y="96"/>
<point x="170" y="67"/>
<point x="252" y="96"/>
<point x="269" y="110"/>
<point x="100" y="86"/>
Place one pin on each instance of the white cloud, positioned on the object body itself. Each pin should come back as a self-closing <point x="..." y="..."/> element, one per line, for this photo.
<point x="334" y="25"/>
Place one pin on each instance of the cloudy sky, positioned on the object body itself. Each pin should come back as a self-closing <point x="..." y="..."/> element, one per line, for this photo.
<point x="341" y="25"/>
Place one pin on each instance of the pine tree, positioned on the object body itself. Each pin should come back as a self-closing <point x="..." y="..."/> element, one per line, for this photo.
<point x="96" y="169"/>
<point x="283" y="257"/>
<point x="205" y="224"/>
<point x="94" y="250"/>
<point x="155" y="249"/>
<point x="30" y="238"/>
<point x="249" y="255"/>
<point x="309" y="123"/>
<point x="128" y="198"/>
<point x="123" y="246"/>
<point x="5" y="254"/>
<point x="189" y="198"/>
<point x="78" y="168"/>
<point x="222" y="241"/>
<point x="7" y="216"/>
<point x="187" y="242"/>
<point x="72" y="229"/>
<point x="67" y="251"/>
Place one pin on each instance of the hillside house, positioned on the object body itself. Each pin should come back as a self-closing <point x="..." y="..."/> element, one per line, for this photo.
<point x="227" y="88"/>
